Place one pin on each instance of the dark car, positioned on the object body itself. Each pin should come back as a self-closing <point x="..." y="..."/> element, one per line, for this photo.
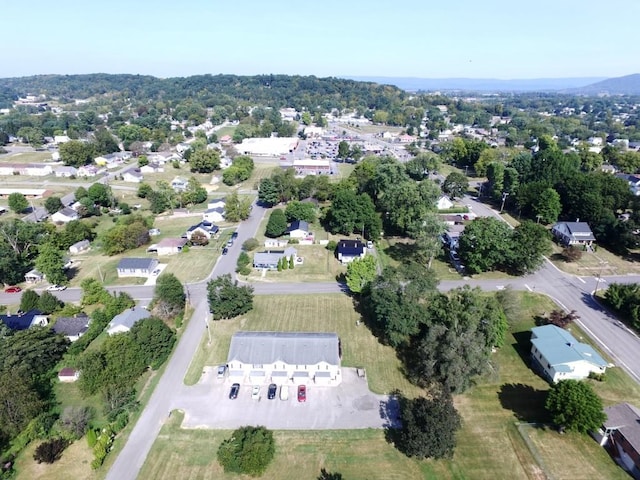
<point x="234" y="235"/>
<point x="235" y="388"/>
<point x="302" y="393"/>
<point x="225" y="250"/>
<point x="271" y="393"/>
<point x="12" y="290"/>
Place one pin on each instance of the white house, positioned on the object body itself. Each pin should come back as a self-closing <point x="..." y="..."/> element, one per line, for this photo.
<point x="122" y="323"/>
<point x="270" y="260"/>
<point x="349" y="250"/>
<point x="68" y="375"/>
<point x="33" y="276"/>
<point x="213" y="215"/>
<point x="573" y="233"/>
<point x="65" y="215"/>
<point x="298" y="229"/>
<point x="559" y="356"/>
<point x="444" y="203"/>
<point x="132" y="176"/>
<point x="79" y="247"/>
<point x="207" y="229"/>
<point x="72" y="327"/>
<point x="66" y="172"/>
<point x="216" y="203"/>
<point x="285" y="358"/>
<point x="170" y="246"/>
<point x="22" y="321"/>
<point x="136" y="267"/>
<point x="152" y="168"/>
<point x="179" y="184"/>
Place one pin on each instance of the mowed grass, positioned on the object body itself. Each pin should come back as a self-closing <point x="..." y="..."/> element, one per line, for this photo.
<point x="26" y="157"/>
<point x="593" y="264"/>
<point x="310" y="313"/>
<point x="299" y="455"/>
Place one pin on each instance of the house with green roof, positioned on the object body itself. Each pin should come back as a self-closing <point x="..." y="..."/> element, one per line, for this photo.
<point x="559" y="356"/>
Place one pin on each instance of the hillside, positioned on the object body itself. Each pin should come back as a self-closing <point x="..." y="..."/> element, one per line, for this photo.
<point x="627" y="85"/>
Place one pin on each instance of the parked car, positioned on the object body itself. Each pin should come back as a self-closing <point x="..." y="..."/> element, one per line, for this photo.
<point x="255" y="392"/>
<point x="369" y="244"/>
<point x="230" y="242"/>
<point x="235" y="388"/>
<point x="271" y="393"/>
<point x="234" y="235"/>
<point x="12" y="290"/>
<point x="454" y="256"/>
<point x="225" y="250"/>
<point x="56" y="288"/>
<point x="156" y="272"/>
<point x="302" y="393"/>
<point x="221" y="370"/>
<point x="284" y="393"/>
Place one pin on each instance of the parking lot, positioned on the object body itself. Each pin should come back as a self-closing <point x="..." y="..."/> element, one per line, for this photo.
<point x="349" y="405"/>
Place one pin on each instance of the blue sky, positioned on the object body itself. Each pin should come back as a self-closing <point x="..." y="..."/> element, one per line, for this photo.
<point x="503" y="39"/>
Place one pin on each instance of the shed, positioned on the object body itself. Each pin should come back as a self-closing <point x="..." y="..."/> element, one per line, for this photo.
<point x="79" y="247"/>
<point x="68" y="375"/>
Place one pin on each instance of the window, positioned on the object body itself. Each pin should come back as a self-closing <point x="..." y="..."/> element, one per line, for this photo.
<point x="257" y="365"/>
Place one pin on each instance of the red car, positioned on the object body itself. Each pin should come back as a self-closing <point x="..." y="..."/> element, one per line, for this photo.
<point x="12" y="290"/>
<point x="302" y="393"/>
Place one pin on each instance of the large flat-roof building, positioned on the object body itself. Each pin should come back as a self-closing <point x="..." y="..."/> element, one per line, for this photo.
<point x="267" y="147"/>
<point x="285" y="358"/>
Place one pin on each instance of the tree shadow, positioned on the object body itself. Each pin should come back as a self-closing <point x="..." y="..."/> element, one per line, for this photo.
<point x="525" y="401"/>
<point x="393" y="431"/>
<point x="401" y="251"/>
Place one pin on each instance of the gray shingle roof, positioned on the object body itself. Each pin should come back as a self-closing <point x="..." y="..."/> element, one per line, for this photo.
<point x="626" y="419"/>
<point x="72" y="326"/>
<point x="292" y="348"/>
<point x="129" y="317"/>
<point x="137" y="263"/>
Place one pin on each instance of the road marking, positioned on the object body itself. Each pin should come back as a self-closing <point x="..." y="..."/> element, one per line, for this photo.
<point x="528" y="287"/>
<point x="580" y="278"/>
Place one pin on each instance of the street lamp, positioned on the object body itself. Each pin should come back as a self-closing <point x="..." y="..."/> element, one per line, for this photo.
<point x="504" y="197"/>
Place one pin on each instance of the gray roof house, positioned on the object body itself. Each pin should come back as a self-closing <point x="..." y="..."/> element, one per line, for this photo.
<point x="621" y="434"/>
<point x="79" y="247"/>
<point x="269" y="260"/>
<point x="285" y="357"/>
<point x="65" y="215"/>
<point x="298" y="229"/>
<point x="136" y="267"/>
<point x="123" y="322"/>
<point x="573" y="233"/>
<point x="72" y="327"/>
<point x="559" y="356"/>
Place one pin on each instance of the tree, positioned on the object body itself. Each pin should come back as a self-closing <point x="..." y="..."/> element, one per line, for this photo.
<point x="76" y="153"/>
<point x="484" y="245"/>
<point x="574" y="405"/>
<point x="204" y="161"/>
<point x="300" y="211"/>
<point x="126" y="236"/>
<point x="100" y="194"/>
<point x="249" y="450"/>
<point x="75" y="420"/>
<point x="19" y="402"/>
<point x="360" y="272"/>
<point x="169" y="296"/>
<point x="29" y="300"/>
<point x="53" y="204"/>
<point x="17" y="202"/>
<point x="429" y="426"/>
<point x="51" y="450"/>
<point x="194" y="194"/>
<point x="326" y="475"/>
<point x="529" y="243"/>
<point x="50" y="262"/>
<point x="277" y="224"/>
<point x="427" y="238"/>
<point x="343" y="150"/>
<point x="547" y="208"/>
<point x="562" y="319"/>
<point x="268" y="192"/>
<point x="154" y="339"/>
<point x="571" y="253"/>
<point x="455" y="185"/>
<point x="49" y="303"/>
<point x="227" y="299"/>
<point x="351" y="212"/>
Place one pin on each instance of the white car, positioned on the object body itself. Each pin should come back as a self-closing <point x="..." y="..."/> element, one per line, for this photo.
<point x="284" y="393"/>
<point x="56" y="288"/>
<point x="255" y="392"/>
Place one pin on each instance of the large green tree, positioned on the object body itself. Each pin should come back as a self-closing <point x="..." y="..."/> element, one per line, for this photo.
<point x="455" y="185"/>
<point x="17" y="202"/>
<point x="227" y="299"/>
<point x="485" y="245"/>
<point x="76" y="153"/>
<point x="248" y="451"/>
<point x="529" y="243"/>
<point x="351" y="212"/>
<point x="277" y="224"/>
<point x="155" y="340"/>
<point x="204" y="161"/>
<point x="574" y="405"/>
<point x="360" y="272"/>
<point x="169" y="296"/>
<point x="297" y="210"/>
<point x="50" y="262"/>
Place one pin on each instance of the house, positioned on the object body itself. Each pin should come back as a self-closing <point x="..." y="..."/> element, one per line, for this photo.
<point x="152" y="168"/>
<point x="632" y="180"/>
<point x="207" y="229"/>
<point x="298" y="229"/>
<point x="65" y="215"/>
<point x="213" y="215"/>
<point x="68" y="375"/>
<point x="132" y="176"/>
<point x="620" y="433"/>
<point x="22" y="321"/>
<point x="349" y="250"/>
<point x="66" y="172"/>
<point x="573" y="233"/>
<point x="136" y="267"/>
<point x="309" y="166"/>
<point x="451" y="237"/>
<point x="68" y="199"/>
<point x="58" y="139"/>
<point x="89" y="171"/>
<point x="79" y="247"/>
<point x="225" y="139"/>
<point x="122" y="323"/>
<point x="179" y="184"/>
<point x="38" y="214"/>
<point x="270" y="260"/>
<point x="559" y="356"/>
<point x="444" y="203"/>
<point x="216" y="203"/>
<point x="33" y="276"/>
<point x="170" y="246"/>
<point x="72" y="327"/>
<point x="284" y="358"/>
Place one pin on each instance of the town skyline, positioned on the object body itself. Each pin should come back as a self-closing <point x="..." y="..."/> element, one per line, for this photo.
<point x="497" y="39"/>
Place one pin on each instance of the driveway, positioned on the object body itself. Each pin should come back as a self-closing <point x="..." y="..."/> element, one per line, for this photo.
<point x="349" y="405"/>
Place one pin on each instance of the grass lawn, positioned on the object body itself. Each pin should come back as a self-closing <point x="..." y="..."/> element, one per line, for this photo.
<point x="26" y="157"/>
<point x="310" y="313"/>
<point x="592" y="263"/>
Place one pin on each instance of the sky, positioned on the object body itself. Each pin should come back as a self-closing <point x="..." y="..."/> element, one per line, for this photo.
<point x="503" y="39"/>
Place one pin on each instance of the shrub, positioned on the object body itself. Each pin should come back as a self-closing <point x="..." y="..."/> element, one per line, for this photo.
<point x="92" y="438"/>
<point x="250" y="244"/>
<point x="332" y="245"/>
<point x="51" y="450"/>
<point x="75" y="420"/>
<point x="248" y="451"/>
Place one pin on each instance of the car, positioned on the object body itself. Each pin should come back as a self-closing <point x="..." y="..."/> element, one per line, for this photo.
<point x="369" y="244"/>
<point x="225" y="250"/>
<point x="271" y="393"/>
<point x="156" y="272"/>
<point x="235" y="388"/>
<point x="454" y="256"/>
<point x="302" y="393"/>
<point x="284" y="393"/>
<point x="234" y="235"/>
<point x="221" y="370"/>
<point x="56" y="288"/>
<point x="12" y="290"/>
<point x="230" y="242"/>
<point x="255" y="392"/>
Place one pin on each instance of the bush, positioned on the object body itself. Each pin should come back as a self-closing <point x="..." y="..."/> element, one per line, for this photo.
<point x="250" y="244"/>
<point x="75" y="420"/>
<point x="92" y="438"/>
<point x="277" y="224"/>
<point x="248" y="451"/>
<point x="332" y="245"/>
<point x="51" y="450"/>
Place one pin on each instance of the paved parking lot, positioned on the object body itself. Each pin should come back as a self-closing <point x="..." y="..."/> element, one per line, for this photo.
<point x="348" y="406"/>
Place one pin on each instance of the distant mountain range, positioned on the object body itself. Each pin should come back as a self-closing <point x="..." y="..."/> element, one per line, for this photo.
<point x="629" y="85"/>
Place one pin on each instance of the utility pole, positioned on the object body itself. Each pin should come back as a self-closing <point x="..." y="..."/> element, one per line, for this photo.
<point x="504" y="197"/>
<point x="602" y="264"/>
<point x="206" y="322"/>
